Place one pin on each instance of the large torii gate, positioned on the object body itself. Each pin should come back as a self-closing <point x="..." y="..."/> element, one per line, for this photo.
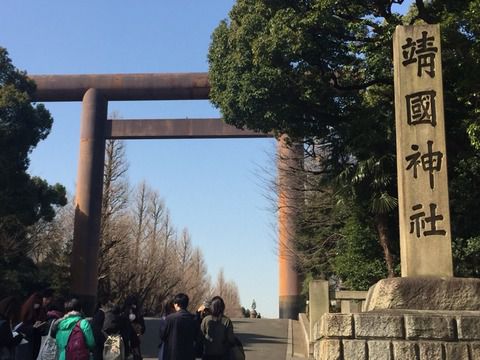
<point x="95" y="91"/>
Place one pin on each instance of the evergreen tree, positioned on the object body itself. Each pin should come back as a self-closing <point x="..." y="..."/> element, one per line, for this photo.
<point x="24" y="199"/>
<point x="321" y="71"/>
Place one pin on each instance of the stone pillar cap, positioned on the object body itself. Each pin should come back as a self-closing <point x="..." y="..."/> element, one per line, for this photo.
<point x="425" y="293"/>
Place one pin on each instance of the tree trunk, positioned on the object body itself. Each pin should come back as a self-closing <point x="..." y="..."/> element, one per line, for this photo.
<point x="384" y="237"/>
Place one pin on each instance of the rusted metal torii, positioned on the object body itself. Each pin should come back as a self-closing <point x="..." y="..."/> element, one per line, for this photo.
<point x="95" y="91"/>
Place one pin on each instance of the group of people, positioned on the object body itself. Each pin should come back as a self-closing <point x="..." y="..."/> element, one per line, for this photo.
<point x="46" y="328"/>
<point x="27" y="330"/>
<point x="206" y="335"/>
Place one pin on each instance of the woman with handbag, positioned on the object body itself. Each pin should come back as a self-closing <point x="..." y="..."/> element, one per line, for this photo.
<point x="55" y="310"/>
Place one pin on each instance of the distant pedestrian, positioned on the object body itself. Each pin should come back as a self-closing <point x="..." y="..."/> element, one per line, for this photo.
<point x="217" y="330"/>
<point x="47" y="297"/>
<point x="133" y="312"/>
<point x="9" y="315"/>
<point x="180" y="332"/>
<point x="73" y="333"/>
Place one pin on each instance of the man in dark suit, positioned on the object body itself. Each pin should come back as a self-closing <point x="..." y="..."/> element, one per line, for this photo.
<point x="180" y="332"/>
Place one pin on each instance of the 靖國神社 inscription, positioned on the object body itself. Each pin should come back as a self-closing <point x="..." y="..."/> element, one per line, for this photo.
<point x="425" y="239"/>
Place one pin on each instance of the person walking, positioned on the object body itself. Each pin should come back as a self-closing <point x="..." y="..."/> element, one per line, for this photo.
<point x="55" y="309"/>
<point x="96" y="322"/>
<point x="136" y="325"/>
<point x="107" y="321"/>
<point x="67" y="329"/>
<point x="33" y="326"/>
<point x="217" y="330"/>
<point x="180" y="332"/>
<point x="114" y="344"/>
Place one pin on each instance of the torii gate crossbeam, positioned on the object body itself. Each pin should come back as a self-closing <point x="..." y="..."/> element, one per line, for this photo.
<point x="95" y="91"/>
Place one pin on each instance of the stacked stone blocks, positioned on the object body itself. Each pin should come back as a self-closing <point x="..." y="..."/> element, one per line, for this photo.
<point x="397" y="335"/>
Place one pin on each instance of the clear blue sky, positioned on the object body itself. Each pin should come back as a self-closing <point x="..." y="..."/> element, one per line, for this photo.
<point x="212" y="187"/>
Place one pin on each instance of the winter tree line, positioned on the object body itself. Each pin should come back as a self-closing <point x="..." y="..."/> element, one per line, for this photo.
<point x="141" y="251"/>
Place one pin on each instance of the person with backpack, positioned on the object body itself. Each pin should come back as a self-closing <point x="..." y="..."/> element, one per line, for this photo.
<point x="73" y="334"/>
<point x="111" y="331"/>
<point x="114" y="344"/>
<point x="217" y="330"/>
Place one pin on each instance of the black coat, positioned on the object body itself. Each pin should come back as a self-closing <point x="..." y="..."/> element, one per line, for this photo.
<point x="6" y="337"/>
<point x="180" y="333"/>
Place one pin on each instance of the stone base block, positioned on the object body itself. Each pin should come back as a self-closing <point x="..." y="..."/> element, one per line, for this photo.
<point x="399" y="335"/>
<point x="425" y="293"/>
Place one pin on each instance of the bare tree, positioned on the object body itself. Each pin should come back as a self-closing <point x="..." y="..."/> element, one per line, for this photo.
<point x="198" y="277"/>
<point x="140" y="209"/>
<point x="113" y="231"/>
<point x="140" y="252"/>
<point x="156" y="270"/>
<point x="47" y="238"/>
<point x="194" y="278"/>
<point x="228" y="290"/>
<point x="52" y="247"/>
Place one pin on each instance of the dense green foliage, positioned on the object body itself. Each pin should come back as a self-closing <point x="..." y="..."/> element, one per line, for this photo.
<point x="321" y="71"/>
<point x="337" y="241"/>
<point x="24" y="200"/>
<point x="358" y="247"/>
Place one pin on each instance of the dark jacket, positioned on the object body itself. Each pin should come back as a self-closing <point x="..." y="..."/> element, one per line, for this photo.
<point x="218" y="336"/>
<point x="33" y="335"/>
<point x="6" y="337"/>
<point x="107" y="321"/>
<point x="128" y="334"/>
<point x="180" y="333"/>
<point x="97" y="325"/>
<point x="7" y="341"/>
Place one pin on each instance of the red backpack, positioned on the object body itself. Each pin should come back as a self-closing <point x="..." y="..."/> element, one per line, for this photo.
<point x="76" y="348"/>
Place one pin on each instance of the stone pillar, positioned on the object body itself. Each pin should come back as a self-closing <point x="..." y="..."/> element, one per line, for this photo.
<point x="88" y="199"/>
<point x="290" y="159"/>
<point x="424" y="215"/>
<point x="318" y="303"/>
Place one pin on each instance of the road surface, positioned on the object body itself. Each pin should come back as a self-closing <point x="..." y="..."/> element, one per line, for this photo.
<point x="262" y="339"/>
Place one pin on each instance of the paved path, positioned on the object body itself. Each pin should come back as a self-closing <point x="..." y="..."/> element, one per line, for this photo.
<point x="268" y="339"/>
<point x="262" y="339"/>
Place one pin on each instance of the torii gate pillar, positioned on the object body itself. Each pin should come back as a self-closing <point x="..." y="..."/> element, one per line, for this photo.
<point x="289" y="162"/>
<point x="88" y="199"/>
<point x="95" y="91"/>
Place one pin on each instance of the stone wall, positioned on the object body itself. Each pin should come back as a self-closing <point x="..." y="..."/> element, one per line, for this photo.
<point x="394" y="335"/>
